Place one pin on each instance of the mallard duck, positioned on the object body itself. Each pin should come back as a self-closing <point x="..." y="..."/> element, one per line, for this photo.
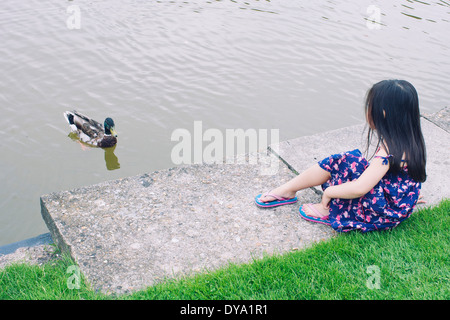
<point x="90" y="131"/>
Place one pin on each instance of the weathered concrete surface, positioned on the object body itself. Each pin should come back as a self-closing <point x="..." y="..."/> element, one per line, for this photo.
<point x="43" y="239"/>
<point x="131" y="233"/>
<point x="302" y="152"/>
<point x="440" y="118"/>
<point x="437" y="141"/>
<point x="36" y="250"/>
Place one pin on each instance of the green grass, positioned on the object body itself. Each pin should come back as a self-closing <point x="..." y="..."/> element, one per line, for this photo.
<point x="410" y="261"/>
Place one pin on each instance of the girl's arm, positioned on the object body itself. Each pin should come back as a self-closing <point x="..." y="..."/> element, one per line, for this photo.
<point x="359" y="187"/>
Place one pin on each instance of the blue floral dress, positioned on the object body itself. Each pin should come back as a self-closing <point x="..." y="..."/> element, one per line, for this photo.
<point x="390" y="202"/>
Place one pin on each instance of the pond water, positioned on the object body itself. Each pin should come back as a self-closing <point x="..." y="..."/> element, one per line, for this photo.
<point x="156" y="66"/>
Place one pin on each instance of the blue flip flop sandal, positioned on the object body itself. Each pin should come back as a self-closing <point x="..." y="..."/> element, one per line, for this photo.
<point x="280" y="201"/>
<point x="323" y="220"/>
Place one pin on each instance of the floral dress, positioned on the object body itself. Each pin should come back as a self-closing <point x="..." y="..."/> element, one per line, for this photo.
<point x="390" y="202"/>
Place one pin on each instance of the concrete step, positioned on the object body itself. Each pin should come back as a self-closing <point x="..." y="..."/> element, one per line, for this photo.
<point x="130" y="233"/>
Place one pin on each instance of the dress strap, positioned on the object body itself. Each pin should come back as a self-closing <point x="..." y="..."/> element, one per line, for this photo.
<point x="385" y="159"/>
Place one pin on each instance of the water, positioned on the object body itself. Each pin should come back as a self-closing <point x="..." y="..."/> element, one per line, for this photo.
<point x="154" y="66"/>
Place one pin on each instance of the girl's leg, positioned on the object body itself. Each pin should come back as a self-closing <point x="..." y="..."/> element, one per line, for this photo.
<point x="314" y="176"/>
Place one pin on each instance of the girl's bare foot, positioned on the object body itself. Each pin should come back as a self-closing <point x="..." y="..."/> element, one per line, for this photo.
<point x="317" y="210"/>
<point x="280" y="192"/>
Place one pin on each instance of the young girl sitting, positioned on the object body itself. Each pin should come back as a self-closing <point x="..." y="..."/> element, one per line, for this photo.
<point x="364" y="196"/>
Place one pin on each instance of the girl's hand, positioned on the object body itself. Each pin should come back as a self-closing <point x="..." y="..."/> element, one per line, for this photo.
<point x="326" y="201"/>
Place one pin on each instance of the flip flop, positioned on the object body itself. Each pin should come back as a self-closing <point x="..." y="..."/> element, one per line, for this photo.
<point x="280" y="201"/>
<point x="323" y="220"/>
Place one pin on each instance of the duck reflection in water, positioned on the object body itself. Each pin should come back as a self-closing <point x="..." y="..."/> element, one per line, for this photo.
<point x="111" y="160"/>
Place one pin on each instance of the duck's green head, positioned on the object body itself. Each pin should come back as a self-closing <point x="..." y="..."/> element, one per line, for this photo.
<point x="109" y="127"/>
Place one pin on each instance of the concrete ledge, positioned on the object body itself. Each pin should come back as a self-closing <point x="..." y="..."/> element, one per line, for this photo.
<point x="43" y="239"/>
<point x="440" y="118"/>
<point x="131" y="233"/>
<point x="32" y="251"/>
<point x="301" y="153"/>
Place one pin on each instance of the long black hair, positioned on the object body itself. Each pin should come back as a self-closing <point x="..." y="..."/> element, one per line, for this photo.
<point x="392" y="111"/>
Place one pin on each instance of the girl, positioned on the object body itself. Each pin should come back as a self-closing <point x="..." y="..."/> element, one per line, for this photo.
<point x="364" y="196"/>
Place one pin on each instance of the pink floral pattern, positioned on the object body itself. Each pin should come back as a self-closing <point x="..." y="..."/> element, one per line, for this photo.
<point x="384" y="207"/>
